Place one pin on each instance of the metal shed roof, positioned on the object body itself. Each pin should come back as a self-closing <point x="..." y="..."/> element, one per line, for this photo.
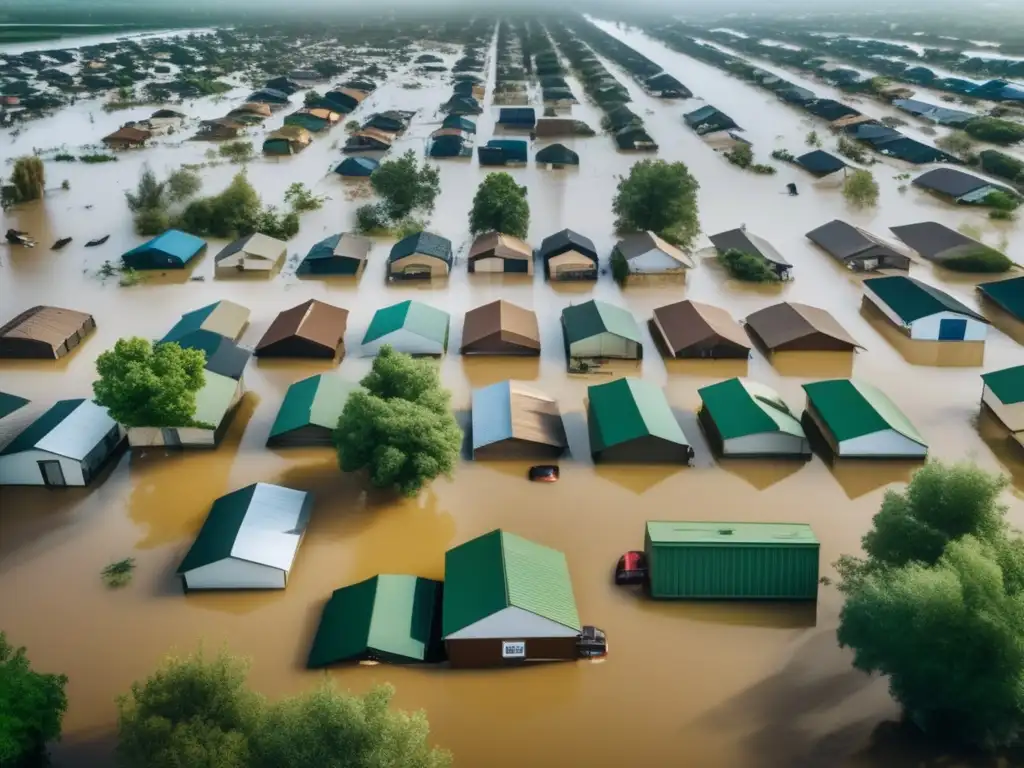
<point x="567" y="239"/>
<point x="180" y="246"/>
<point x="70" y="428"/>
<point x="317" y="400"/>
<point x="426" y="243"/>
<point x="213" y="400"/>
<point x="581" y="321"/>
<point x="223" y="356"/>
<point x="741" y="407"/>
<point x="911" y="299"/>
<point x="1008" y="294"/>
<point x="342" y="245"/>
<point x="950" y="181"/>
<point x="500" y="570"/>
<point x="820" y="162"/>
<point x="222" y="318"/>
<point x="629" y="409"/>
<point x="638" y="243"/>
<point x="937" y="242"/>
<point x="501" y="318"/>
<point x="1007" y="384"/>
<point x="787" y="321"/>
<point x="687" y="323"/>
<point x="256" y="245"/>
<point x="852" y="408"/>
<point x="313" y="320"/>
<point x="512" y="410"/>
<point x="748" y="242"/>
<point x="261" y="523"/>
<point x="10" y="403"/>
<point x="844" y="241"/>
<point x="51" y="325"/>
<point x="730" y="534"/>
<point x="421" y="319"/>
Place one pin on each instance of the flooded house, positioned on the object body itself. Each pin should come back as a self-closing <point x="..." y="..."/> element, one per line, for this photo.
<point x="420" y="256"/>
<point x="216" y="402"/>
<point x="312" y="329"/>
<point x="938" y="243"/>
<point x="559" y="127"/>
<point x="450" y="142"/>
<point x="859" y="421"/>
<point x="709" y="119"/>
<point x="462" y="105"/>
<point x="953" y="118"/>
<point x="222" y="319"/>
<point x="857" y="249"/>
<point x="753" y="245"/>
<point x="630" y="420"/>
<point x="165" y="121"/>
<point x="691" y="329"/>
<point x="310" y="411"/>
<point x="221" y="128"/>
<point x="820" y="163"/>
<point x="15" y="414"/>
<point x="341" y="254"/>
<point x="368" y="140"/>
<point x="791" y="327"/>
<point x="507" y="601"/>
<point x="173" y="249"/>
<point x="665" y="86"/>
<point x="394" y="618"/>
<point x="568" y="255"/>
<point x="958" y="186"/>
<point x="523" y="118"/>
<point x="1006" y="294"/>
<point x="287" y="140"/>
<point x="255" y="253"/>
<point x="635" y="137"/>
<point x="731" y="561"/>
<point x="250" y="539"/>
<point x="510" y="420"/>
<point x="357" y="167"/>
<point x="503" y="152"/>
<point x="500" y="328"/>
<point x="557" y="156"/>
<point x="459" y="123"/>
<point x="65" y="446"/>
<point x="644" y="253"/>
<point x="44" y="333"/>
<point x="270" y="96"/>
<point x="498" y="252"/>
<point x="391" y="121"/>
<point x="596" y="329"/>
<point x="922" y="311"/>
<point x="343" y="100"/>
<point x="408" y="326"/>
<point x="746" y="419"/>
<point x="1003" y="395"/>
<point x="252" y="109"/>
<point x="313" y="119"/>
<point x="284" y="85"/>
<point x="127" y="137"/>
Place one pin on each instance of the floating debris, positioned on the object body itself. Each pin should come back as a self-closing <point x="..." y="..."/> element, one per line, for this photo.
<point x="97" y="241"/>
<point x="60" y="243"/>
<point x="16" y="237"/>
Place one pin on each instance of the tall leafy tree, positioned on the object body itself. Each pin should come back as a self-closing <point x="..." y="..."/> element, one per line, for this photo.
<point x="660" y="197"/>
<point x="32" y="706"/>
<point x="29" y="178"/>
<point x="146" y="386"/>
<point x="400" y="428"/>
<point x="500" y="205"/>
<point x="406" y="185"/>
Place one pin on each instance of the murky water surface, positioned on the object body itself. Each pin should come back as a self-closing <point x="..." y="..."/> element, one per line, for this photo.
<point x="685" y="685"/>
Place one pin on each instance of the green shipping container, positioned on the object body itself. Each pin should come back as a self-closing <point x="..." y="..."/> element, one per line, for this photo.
<point x="732" y="561"/>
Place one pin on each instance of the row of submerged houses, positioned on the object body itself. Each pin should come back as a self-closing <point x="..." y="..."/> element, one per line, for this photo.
<point x="137" y="133"/>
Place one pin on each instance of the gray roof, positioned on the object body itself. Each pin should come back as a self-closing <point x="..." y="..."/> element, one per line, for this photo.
<point x="936" y="241"/>
<point x="638" y="243"/>
<point x="71" y="428"/>
<point x="950" y="181"/>
<point x="845" y="241"/>
<point x="748" y="242"/>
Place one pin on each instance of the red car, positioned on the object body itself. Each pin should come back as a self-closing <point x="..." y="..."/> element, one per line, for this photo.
<point x="631" y="568"/>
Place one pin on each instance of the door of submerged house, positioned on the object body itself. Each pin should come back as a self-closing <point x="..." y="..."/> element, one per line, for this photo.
<point x="952" y="330"/>
<point x="53" y="474"/>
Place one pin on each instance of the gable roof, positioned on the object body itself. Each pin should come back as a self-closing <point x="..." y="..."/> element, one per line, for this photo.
<point x="10" y="403"/>
<point x="566" y="240"/>
<point x="741" y="407"/>
<point x="852" y="408"/>
<point x="559" y="154"/>
<point x="787" y="321"/>
<point x="500" y="245"/>
<point x="820" y="163"/>
<point x="223" y="356"/>
<point x="845" y="241"/>
<point x="687" y="322"/>
<point x="500" y="570"/>
<point x="512" y="410"/>
<point x="343" y="245"/>
<point x="499" y="317"/>
<point x="357" y="166"/>
<point x="70" y="428"/>
<point x="214" y="399"/>
<point x="629" y="409"/>
<point x="1007" y="384"/>
<point x="638" y="243"/>
<point x="1007" y="294"/>
<point x="174" y="243"/>
<point x="426" y="243"/>
<point x="256" y="245"/>
<point x="222" y="318"/>
<point x="911" y="299"/>
<point x="749" y="243"/>
<point x="313" y="320"/>
<point x="414" y="316"/>
<point x="936" y="242"/>
<point x="581" y="321"/>
<point x="317" y="400"/>
<point x="950" y="181"/>
<point x="261" y="523"/>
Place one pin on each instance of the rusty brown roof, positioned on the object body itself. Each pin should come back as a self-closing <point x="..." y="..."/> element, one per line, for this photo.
<point x="783" y="323"/>
<point x="376" y="133"/>
<point x="50" y="325"/>
<point x="687" y="323"/>
<point x="313" y="320"/>
<point x="128" y="133"/>
<point x="253" y="108"/>
<point x="501" y="318"/>
<point x="500" y="245"/>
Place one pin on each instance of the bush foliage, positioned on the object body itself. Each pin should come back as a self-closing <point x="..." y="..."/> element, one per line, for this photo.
<point x="748" y="267"/>
<point x="32" y="706"/>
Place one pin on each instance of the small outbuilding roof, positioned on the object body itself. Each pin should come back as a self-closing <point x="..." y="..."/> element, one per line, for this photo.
<point x="1007" y="385"/>
<point x="172" y="247"/>
<point x="70" y="428"/>
<point x="741" y="407"/>
<point x="581" y="321"/>
<point x="421" y="319"/>
<point x="911" y="299"/>
<point x="342" y="245"/>
<point x="852" y="409"/>
<point x="425" y="243"/>
<point x="628" y="409"/>
<point x="688" y="323"/>
<point x="747" y="242"/>
<point x="128" y="134"/>
<point x="315" y="321"/>
<point x="730" y="534"/>
<point x="1007" y="294"/>
<point x="500" y="570"/>
<point x="566" y="240"/>
<point x="950" y="181"/>
<point x="501" y="321"/>
<point x="357" y="166"/>
<point x="937" y="242"/>
<point x="820" y="163"/>
<point x="222" y="318"/>
<point x="50" y="326"/>
<point x="511" y="410"/>
<point x="844" y="241"/>
<point x="255" y="246"/>
<point x="780" y="325"/>
<point x="261" y="524"/>
<point x="388" y="617"/>
<point x="317" y="400"/>
<point x="500" y="245"/>
<point x="634" y="245"/>
<point x="557" y="154"/>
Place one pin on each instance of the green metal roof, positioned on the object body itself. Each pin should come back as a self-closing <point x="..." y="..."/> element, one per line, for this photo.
<point x="1007" y="384"/>
<point x="628" y="409"/>
<point x="390" y="616"/>
<point x="42" y="426"/>
<point x="1008" y="294"/>
<point x="422" y="319"/>
<point x="216" y="538"/>
<point x="740" y="407"/>
<point x="426" y="243"/>
<point x="214" y="399"/>
<point x="582" y="321"/>
<point x="189" y="323"/>
<point x="499" y="570"/>
<point x="853" y="409"/>
<point x="703" y="533"/>
<point x="10" y="403"/>
<point x="317" y="400"/>
<point x="911" y="299"/>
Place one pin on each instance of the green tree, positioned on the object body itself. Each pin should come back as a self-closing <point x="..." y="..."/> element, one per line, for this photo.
<point x="861" y="189"/>
<point x="956" y="143"/>
<point x="500" y="205"/>
<point x="351" y="732"/>
<point x="236" y="151"/>
<point x="191" y="712"/>
<point x="149" y="194"/>
<point x="406" y="185"/>
<point x="400" y="427"/>
<point x="28" y="181"/>
<point x="146" y="386"/>
<point x="301" y="199"/>
<point x="183" y="184"/>
<point x="660" y="197"/>
<point x="994" y="130"/>
<point x="747" y="267"/>
<point x="234" y="212"/>
<point x="32" y="706"/>
<point x="813" y="140"/>
<point x="311" y="98"/>
<point x="741" y="155"/>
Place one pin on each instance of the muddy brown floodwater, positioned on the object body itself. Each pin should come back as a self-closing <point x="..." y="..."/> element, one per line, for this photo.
<point x="685" y="684"/>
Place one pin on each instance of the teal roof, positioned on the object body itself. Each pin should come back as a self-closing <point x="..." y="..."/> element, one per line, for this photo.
<point x="42" y="426"/>
<point x="421" y="319"/>
<point x="740" y="407"/>
<point x="190" y="322"/>
<point x="852" y="409"/>
<point x="591" y="318"/>
<point x="629" y="409"/>
<point x="1007" y="294"/>
<point x="387" y="618"/>
<point x="317" y="400"/>
<point x="10" y="403"/>
<point x="500" y="570"/>
<point x="173" y="245"/>
<point x="1007" y="384"/>
<point x="911" y="299"/>
<point x="426" y="243"/>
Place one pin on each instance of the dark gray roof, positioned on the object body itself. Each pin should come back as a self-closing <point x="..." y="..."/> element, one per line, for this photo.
<point x="426" y="243"/>
<point x="933" y="240"/>
<point x="820" y="163"/>
<point x="566" y="240"/>
<point x="748" y="242"/>
<point x="950" y="181"/>
<point x="845" y="241"/>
